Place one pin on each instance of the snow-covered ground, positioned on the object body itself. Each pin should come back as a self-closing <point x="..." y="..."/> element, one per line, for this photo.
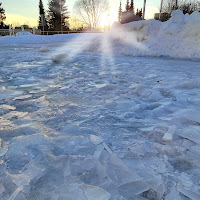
<point x="96" y="126"/>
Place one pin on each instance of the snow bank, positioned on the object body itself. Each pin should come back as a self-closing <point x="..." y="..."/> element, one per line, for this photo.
<point x="43" y="39"/>
<point x="178" y="37"/>
<point x="23" y="33"/>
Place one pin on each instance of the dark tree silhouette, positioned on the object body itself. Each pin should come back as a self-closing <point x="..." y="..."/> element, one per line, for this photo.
<point x="120" y="12"/>
<point x="42" y="17"/>
<point x="2" y="16"/>
<point x="139" y="12"/>
<point x="127" y="6"/>
<point x="132" y="7"/>
<point x="58" y="15"/>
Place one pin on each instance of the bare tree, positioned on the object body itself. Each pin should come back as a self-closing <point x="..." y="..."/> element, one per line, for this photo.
<point x="90" y="11"/>
<point x="187" y="6"/>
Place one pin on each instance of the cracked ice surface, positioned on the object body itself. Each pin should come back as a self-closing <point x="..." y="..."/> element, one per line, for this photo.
<point x="98" y="127"/>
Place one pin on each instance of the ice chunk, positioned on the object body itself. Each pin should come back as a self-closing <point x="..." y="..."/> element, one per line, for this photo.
<point x="188" y="85"/>
<point x="169" y="134"/>
<point x="196" y="149"/>
<point x="20" y="196"/>
<point x="185" y="180"/>
<point x="96" y="139"/>
<point x="15" y="193"/>
<point x="174" y="194"/>
<point x="59" y="58"/>
<point x="118" y="172"/>
<point x="43" y="49"/>
<point x="93" y="192"/>
<point x="3" y="148"/>
<point x="7" y="107"/>
<point x="27" y="176"/>
<point x="129" y="190"/>
<point x="71" y="129"/>
<point x="14" y="114"/>
<point x="192" y="115"/>
<point x="155" y="96"/>
<point x="22" y="97"/>
<point x="9" y="93"/>
<point x="2" y="189"/>
<point x="107" y="148"/>
<point x="2" y="88"/>
<point x="192" y="133"/>
<point x="147" y="129"/>
<point x="189" y="193"/>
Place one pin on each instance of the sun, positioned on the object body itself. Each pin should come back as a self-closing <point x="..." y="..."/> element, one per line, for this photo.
<point x="108" y="18"/>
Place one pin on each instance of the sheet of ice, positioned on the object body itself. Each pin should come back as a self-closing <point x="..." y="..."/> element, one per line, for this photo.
<point x="93" y="192"/>
<point x="95" y="124"/>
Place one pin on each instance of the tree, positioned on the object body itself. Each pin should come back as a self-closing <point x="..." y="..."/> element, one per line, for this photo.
<point x="58" y="15"/>
<point x="132" y="7"/>
<point x="2" y="16"/>
<point x="42" y="17"/>
<point x="187" y="6"/>
<point x="139" y="12"/>
<point x="120" y="12"/>
<point x="127" y="6"/>
<point x="90" y="11"/>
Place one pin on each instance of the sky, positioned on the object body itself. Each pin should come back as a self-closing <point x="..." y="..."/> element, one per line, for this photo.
<point x="20" y="12"/>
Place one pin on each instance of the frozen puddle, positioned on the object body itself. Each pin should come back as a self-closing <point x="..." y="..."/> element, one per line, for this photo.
<point x="98" y="129"/>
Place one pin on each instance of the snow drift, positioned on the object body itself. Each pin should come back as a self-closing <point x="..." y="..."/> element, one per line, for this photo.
<point x="178" y="37"/>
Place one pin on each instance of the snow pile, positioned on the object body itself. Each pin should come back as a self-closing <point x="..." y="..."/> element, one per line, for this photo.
<point x="178" y="37"/>
<point x="43" y="39"/>
<point x="23" y="33"/>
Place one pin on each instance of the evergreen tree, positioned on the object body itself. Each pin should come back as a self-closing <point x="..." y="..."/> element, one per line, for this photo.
<point x="58" y="15"/>
<point x="42" y="17"/>
<point x="120" y="12"/>
<point x="2" y="16"/>
<point x="132" y="7"/>
<point x="127" y="6"/>
<point x="139" y="12"/>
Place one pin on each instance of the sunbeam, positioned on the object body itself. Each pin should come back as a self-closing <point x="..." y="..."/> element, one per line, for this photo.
<point x="107" y="54"/>
<point x="72" y="48"/>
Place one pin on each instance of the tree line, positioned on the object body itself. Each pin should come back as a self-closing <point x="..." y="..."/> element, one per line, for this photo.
<point x="57" y="18"/>
<point x="129" y="7"/>
<point x="187" y="6"/>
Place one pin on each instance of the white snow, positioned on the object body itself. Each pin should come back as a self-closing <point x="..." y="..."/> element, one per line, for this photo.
<point x="178" y="37"/>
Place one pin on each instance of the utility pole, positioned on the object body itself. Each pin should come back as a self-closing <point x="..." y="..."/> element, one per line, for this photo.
<point x="61" y="17"/>
<point x="161" y="5"/>
<point x="43" y="22"/>
<point x="176" y="4"/>
<point x="144" y="7"/>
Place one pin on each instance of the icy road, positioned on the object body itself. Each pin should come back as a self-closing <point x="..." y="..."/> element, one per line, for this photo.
<point x="97" y="126"/>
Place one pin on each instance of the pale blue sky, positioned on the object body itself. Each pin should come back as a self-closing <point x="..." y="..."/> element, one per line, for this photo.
<point x="27" y="10"/>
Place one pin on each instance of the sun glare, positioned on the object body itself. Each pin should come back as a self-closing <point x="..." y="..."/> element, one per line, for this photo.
<point x="108" y="18"/>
